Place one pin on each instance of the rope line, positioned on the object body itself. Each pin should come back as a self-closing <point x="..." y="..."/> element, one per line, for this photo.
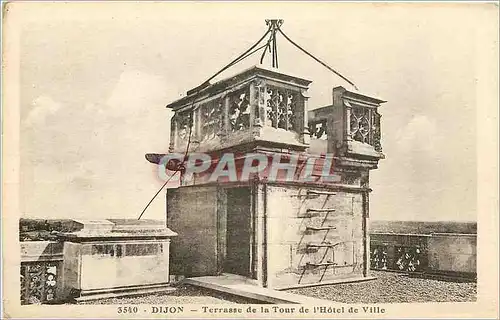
<point x="191" y="123"/>
<point x="317" y="60"/>
<point x="182" y="164"/>
<point x="249" y="54"/>
<point x="275" y="50"/>
<point x="159" y="190"/>
<point x="237" y="59"/>
<point x="268" y="47"/>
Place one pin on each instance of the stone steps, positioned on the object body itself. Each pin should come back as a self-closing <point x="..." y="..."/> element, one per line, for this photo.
<point x="241" y="286"/>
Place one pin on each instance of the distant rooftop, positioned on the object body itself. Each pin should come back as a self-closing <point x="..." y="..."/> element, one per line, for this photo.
<point x="422" y="227"/>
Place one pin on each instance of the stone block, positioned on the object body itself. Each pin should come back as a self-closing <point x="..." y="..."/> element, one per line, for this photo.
<point x="123" y="258"/>
<point x="41" y="251"/>
<point x="295" y="202"/>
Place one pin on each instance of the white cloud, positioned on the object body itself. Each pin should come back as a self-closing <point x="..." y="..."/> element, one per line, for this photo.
<point x="421" y="134"/>
<point x="42" y="107"/>
<point x="137" y="92"/>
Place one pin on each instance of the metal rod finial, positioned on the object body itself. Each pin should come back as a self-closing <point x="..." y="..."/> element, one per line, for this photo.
<point x="274" y="22"/>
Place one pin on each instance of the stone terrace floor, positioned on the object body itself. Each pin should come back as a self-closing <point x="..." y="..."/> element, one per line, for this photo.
<point x="185" y="294"/>
<point x="392" y="287"/>
<point x="387" y="288"/>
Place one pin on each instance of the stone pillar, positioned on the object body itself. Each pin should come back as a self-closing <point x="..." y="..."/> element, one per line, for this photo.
<point x="366" y="233"/>
<point x="196" y="124"/>
<point x="347" y="125"/>
<point x="254" y="103"/>
<point x="259" y="234"/>
<point x="262" y="104"/>
<point x="306" y="138"/>
<point x="221" y="228"/>
<point x="257" y="94"/>
<point x="224" y="132"/>
<point x="173" y="133"/>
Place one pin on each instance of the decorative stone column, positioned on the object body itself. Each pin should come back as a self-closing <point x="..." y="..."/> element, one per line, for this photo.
<point x="173" y="133"/>
<point x="305" y="132"/>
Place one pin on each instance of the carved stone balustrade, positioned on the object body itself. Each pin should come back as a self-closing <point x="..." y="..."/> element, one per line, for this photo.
<point x="256" y="106"/>
<point x="350" y="129"/>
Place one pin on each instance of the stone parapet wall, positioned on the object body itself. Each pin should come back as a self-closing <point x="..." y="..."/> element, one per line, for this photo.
<point x="435" y="253"/>
<point x="453" y="252"/>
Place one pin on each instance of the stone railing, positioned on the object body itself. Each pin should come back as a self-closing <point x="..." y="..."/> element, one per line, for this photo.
<point x="364" y="124"/>
<point x="258" y="104"/>
<point x="40" y="271"/>
<point x="349" y="128"/>
<point x="437" y="253"/>
<point x="398" y="252"/>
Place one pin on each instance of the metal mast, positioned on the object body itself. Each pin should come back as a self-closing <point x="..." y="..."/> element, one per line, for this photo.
<point x="272" y="46"/>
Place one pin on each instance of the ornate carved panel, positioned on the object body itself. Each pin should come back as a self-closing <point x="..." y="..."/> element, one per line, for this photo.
<point x="409" y="258"/>
<point x="379" y="257"/>
<point x="365" y="125"/>
<point x="39" y="281"/>
<point x="183" y="120"/>
<point x="281" y="108"/>
<point x="211" y="119"/>
<point x="399" y="252"/>
<point x="291" y="108"/>
<point x="239" y="110"/>
<point x="360" y="124"/>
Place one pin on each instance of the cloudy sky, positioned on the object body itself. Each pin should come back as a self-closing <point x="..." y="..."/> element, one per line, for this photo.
<point x="95" y="79"/>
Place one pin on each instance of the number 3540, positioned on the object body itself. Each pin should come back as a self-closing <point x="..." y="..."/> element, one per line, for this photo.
<point x="127" y="310"/>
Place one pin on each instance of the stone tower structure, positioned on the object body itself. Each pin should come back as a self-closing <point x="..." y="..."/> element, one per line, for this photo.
<point x="280" y="233"/>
